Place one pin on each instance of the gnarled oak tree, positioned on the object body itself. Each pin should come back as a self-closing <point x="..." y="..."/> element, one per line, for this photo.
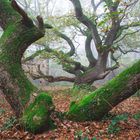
<point x="19" y="33"/>
<point x="106" y="30"/>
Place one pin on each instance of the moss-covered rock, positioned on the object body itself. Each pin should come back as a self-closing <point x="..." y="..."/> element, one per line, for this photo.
<point x="36" y="117"/>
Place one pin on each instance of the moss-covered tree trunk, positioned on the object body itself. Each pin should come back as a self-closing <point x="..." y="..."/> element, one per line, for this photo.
<point x="100" y="102"/>
<point x="19" y="33"/>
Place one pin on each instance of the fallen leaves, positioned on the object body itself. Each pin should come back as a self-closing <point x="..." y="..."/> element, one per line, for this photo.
<point x="68" y="130"/>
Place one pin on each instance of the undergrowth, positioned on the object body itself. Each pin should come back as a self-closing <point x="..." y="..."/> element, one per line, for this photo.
<point x="114" y="127"/>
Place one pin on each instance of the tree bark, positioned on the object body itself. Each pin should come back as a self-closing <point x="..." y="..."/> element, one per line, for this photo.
<point x="100" y="102"/>
<point x="14" y="41"/>
<point x="95" y="73"/>
<point x="19" y="33"/>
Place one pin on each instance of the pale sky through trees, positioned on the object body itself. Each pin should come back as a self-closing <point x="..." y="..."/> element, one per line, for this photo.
<point x="59" y="7"/>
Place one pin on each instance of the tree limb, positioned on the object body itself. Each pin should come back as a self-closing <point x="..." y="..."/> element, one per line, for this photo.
<point x="26" y="20"/>
<point x="87" y="22"/>
<point x="103" y="75"/>
<point x="89" y="54"/>
<point x="95" y="6"/>
<point x="50" y="78"/>
<point x="67" y="63"/>
<point x="127" y="51"/>
<point x="19" y="9"/>
<point x="126" y="35"/>
<point x="66" y="38"/>
<point x="111" y="35"/>
<point x="112" y="68"/>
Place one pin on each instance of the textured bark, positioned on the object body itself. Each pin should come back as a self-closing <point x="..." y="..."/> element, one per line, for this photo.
<point x="19" y="33"/>
<point x="6" y="83"/>
<point x="13" y="43"/>
<point x="100" y="102"/>
<point x="95" y="73"/>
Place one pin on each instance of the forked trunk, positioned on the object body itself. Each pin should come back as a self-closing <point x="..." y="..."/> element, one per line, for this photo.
<point x="96" y="73"/>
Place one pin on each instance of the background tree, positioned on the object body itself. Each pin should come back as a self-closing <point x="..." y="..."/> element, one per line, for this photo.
<point x="106" y="30"/>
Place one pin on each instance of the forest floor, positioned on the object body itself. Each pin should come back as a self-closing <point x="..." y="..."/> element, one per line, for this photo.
<point x="123" y="123"/>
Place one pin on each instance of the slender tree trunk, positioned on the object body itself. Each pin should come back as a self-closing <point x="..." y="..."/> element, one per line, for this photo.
<point x="100" y="102"/>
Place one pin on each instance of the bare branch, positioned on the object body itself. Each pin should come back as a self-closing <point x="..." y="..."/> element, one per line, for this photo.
<point x="87" y="22"/>
<point x="95" y="6"/>
<point x="133" y="24"/>
<point x="68" y="40"/>
<point x="127" y="51"/>
<point x="50" y="78"/>
<point x="114" y="58"/>
<point x="111" y="35"/>
<point x="26" y="20"/>
<point x="112" y="68"/>
<point x="126" y="35"/>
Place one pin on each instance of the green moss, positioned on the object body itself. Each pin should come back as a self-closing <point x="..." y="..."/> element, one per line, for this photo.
<point x="25" y="86"/>
<point x="37" y="116"/>
<point x="8" y="14"/>
<point x="14" y="37"/>
<point x="97" y="103"/>
<point x="18" y="35"/>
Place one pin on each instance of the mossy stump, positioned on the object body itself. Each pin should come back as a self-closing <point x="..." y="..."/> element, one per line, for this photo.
<point x="36" y="117"/>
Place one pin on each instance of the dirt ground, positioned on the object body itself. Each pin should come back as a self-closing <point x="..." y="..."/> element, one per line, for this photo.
<point x="107" y="129"/>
